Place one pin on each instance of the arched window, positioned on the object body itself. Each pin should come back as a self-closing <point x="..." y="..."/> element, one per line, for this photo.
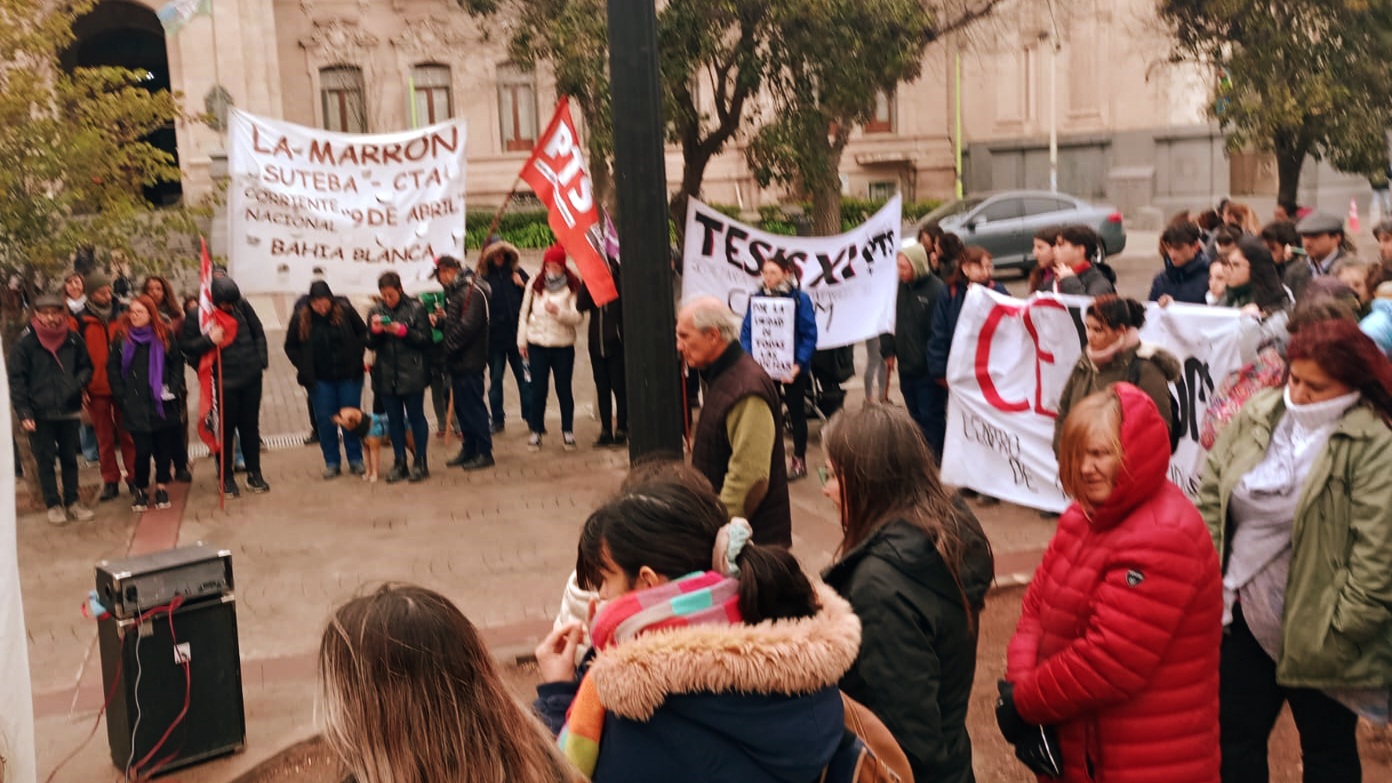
<point x="883" y="119"/>
<point x="342" y="90"/>
<point x="431" y="100"/>
<point x="517" y="109"/>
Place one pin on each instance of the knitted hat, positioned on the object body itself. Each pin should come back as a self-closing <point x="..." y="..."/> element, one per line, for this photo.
<point x="48" y="300"/>
<point x="918" y="259"/>
<point x="320" y="290"/>
<point x="95" y="281"/>
<point x="554" y="255"/>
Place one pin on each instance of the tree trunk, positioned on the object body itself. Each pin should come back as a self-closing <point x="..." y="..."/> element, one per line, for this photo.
<point x="694" y="162"/>
<point x="1290" y="158"/>
<point x="826" y="189"/>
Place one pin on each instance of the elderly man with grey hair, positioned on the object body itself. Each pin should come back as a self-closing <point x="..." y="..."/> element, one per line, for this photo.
<point x="738" y="443"/>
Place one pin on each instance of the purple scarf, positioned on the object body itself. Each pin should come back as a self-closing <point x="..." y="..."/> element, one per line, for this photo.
<point x="145" y="335"/>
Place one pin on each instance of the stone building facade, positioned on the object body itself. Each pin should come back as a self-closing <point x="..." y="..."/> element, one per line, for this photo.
<point x="1132" y="128"/>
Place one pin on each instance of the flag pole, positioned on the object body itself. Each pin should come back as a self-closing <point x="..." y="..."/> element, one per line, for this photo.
<point x="217" y="71"/>
<point x="498" y="216"/>
<point x="222" y="442"/>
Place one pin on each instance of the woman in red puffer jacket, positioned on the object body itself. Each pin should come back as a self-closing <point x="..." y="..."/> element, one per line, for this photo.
<point x="1117" y="647"/>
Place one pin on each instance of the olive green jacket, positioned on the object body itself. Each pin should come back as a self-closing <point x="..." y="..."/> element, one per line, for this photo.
<point x="1149" y="367"/>
<point x="1337" y="626"/>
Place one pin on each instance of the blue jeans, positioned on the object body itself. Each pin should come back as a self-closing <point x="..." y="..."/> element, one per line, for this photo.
<point x="88" y="438"/>
<point x="472" y="413"/>
<point x="402" y="408"/>
<point x="329" y="397"/>
<point x="926" y="401"/>
<point x="560" y="363"/>
<point x="498" y="360"/>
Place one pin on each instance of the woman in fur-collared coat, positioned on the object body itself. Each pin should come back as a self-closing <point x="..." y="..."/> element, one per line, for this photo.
<point x="717" y="659"/>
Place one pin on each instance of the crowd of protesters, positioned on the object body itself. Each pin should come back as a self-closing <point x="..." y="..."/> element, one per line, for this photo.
<point x="1159" y="638"/>
<point x="128" y="394"/>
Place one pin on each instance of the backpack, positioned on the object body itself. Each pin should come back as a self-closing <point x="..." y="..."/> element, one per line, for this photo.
<point x="1267" y="372"/>
<point x="868" y="753"/>
<point x="1107" y="270"/>
<point x="1133" y="377"/>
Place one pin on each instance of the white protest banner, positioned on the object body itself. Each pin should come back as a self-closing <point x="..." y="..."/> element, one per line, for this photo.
<point x="305" y="202"/>
<point x="851" y="278"/>
<point x="17" y="719"/>
<point x="771" y="333"/>
<point x="1010" y="360"/>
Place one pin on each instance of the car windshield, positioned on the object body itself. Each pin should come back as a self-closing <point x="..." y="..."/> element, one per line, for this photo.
<point x="952" y="208"/>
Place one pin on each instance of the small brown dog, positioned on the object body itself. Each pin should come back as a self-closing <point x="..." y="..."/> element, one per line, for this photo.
<point x="372" y="430"/>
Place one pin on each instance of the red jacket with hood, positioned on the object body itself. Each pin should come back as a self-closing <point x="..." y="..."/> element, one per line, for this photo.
<point x="1118" y="642"/>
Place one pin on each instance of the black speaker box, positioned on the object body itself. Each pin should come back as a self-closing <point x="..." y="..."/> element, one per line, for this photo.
<point x="205" y="634"/>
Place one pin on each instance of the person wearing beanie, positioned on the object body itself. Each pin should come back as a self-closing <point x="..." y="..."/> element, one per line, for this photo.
<point x="919" y="290"/>
<point x="546" y="340"/>
<point x="465" y="323"/>
<point x="48" y="369"/>
<point x="238" y="339"/>
<point x="506" y="282"/>
<point x="325" y="341"/>
<point x="399" y="331"/>
<point x="96" y="322"/>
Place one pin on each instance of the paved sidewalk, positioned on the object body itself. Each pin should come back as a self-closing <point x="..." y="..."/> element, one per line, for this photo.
<point x="499" y="543"/>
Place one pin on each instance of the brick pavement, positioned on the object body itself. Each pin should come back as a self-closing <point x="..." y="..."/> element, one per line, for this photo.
<point x="499" y="543"/>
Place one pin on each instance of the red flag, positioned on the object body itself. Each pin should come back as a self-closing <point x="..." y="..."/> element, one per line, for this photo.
<point x="556" y="171"/>
<point x="209" y="429"/>
<point x="205" y="288"/>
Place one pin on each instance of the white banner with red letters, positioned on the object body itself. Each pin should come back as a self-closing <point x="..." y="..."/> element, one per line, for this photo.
<point x="556" y="171"/>
<point x="852" y="278"/>
<point x="306" y="203"/>
<point x="1010" y="360"/>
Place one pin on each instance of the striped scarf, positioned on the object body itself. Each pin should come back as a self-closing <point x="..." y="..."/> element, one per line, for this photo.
<point x="699" y="598"/>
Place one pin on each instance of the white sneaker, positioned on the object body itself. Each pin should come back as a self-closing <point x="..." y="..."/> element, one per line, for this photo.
<point x="568" y="441"/>
<point x="534" y="442"/>
<point x="57" y="516"/>
<point x="80" y="512"/>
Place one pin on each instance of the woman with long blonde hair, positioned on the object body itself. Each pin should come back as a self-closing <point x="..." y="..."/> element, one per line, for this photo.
<point x="410" y="694"/>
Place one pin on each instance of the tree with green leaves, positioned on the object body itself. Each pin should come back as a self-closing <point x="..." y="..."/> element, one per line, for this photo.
<point x="73" y="150"/>
<point x="73" y="162"/>
<point x="711" y="56"/>
<point x="828" y="67"/>
<point x="1297" y="79"/>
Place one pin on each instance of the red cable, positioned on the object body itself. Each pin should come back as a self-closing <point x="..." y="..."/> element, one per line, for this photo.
<point x="188" y="688"/>
<point x="111" y="691"/>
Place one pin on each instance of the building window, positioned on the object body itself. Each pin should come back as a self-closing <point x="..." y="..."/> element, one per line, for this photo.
<point x="883" y="191"/>
<point x="342" y="91"/>
<point x="430" y="97"/>
<point x="517" y="109"/>
<point x="883" y="119"/>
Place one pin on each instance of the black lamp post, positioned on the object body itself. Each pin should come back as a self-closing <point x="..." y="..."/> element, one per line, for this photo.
<point x="640" y="175"/>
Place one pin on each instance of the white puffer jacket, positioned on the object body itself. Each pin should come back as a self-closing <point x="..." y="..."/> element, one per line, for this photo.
<point x="537" y="326"/>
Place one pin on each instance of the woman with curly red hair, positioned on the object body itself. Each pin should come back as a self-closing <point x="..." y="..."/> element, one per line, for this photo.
<point x="1298" y="497"/>
<point x="146" y="371"/>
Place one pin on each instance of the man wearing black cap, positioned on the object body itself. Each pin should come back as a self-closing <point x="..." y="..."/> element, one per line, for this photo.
<point x="465" y="324"/>
<point x="49" y="368"/>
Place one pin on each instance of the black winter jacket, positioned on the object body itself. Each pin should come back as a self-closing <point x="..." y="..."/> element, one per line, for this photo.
<point x="913" y="325"/>
<point x="131" y="390"/>
<point x="606" y="323"/>
<point x="329" y="352"/>
<point x="40" y="387"/>
<point x="402" y="365"/>
<point x="244" y="360"/>
<point x="504" y="305"/>
<point x="918" y="643"/>
<point x="1089" y="282"/>
<point x="466" y="324"/>
<point x="1188" y="283"/>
